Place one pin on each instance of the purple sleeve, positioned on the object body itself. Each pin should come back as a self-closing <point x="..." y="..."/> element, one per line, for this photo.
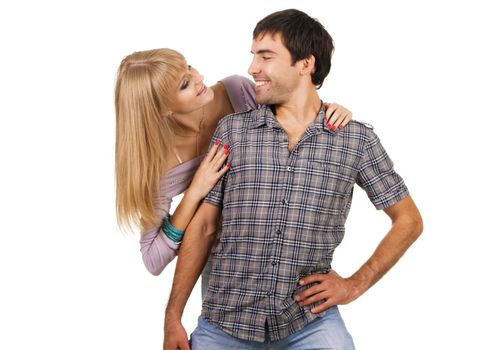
<point x="156" y="248"/>
<point x="241" y="92"/>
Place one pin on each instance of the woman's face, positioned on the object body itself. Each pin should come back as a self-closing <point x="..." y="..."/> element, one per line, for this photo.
<point x="191" y="92"/>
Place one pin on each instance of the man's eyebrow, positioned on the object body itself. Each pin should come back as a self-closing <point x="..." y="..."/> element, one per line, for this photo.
<point x="259" y="52"/>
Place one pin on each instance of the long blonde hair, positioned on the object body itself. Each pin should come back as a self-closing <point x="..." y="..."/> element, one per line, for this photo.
<point x="144" y="135"/>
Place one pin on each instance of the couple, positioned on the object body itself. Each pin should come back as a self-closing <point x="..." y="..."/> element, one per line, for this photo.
<point x="283" y="199"/>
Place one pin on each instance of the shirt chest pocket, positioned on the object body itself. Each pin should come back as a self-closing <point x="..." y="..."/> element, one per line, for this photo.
<point x="324" y="186"/>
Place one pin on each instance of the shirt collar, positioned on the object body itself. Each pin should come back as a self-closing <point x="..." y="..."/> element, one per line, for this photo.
<point x="263" y="116"/>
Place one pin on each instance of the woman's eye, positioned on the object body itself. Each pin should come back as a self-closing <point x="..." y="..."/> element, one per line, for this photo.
<point x="189" y="67"/>
<point x="185" y="85"/>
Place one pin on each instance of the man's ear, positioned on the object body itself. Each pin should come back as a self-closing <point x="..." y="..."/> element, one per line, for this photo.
<point x="308" y="65"/>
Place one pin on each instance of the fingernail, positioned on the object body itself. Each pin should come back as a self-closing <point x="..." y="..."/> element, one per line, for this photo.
<point x="297" y="298"/>
<point x="226" y="146"/>
<point x="313" y="310"/>
<point x="301" y="282"/>
<point x="334" y="128"/>
<point x="217" y="142"/>
<point x="340" y="126"/>
<point x="330" y="126"/>
<point x="226" y="151"/>
<point x="327" y="105"/>
<point x="228" y="164"/>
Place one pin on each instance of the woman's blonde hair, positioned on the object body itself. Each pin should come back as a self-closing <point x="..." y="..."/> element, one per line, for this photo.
<point x="144" y="90"/>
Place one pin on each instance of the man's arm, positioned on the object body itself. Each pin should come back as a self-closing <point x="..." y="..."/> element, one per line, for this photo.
<point x="406" y="227"/>
<point x="192" y="257"/>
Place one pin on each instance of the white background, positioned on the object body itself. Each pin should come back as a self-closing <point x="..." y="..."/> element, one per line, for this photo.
<point x="419" y="71"/>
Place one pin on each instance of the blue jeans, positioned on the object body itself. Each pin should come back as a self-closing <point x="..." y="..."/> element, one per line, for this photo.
<point x="327" y="332"/>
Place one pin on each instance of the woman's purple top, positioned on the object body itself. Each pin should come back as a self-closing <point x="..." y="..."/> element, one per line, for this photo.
<point x="157" y="249"/>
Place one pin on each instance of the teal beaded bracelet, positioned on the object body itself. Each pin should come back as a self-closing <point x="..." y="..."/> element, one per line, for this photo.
<point x="170" y="231"/>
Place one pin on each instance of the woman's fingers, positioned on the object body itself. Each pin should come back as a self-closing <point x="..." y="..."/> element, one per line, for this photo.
<point x="222" y="171"/>
<point x="345" y="120"/>
<point x="211" y="169"/>
<point x="218" y="160"/>
<point x="337" y="116"/>
<point x="212" y="151"/>
<point x="335" y="119"/>
<point x="330" y="109"/>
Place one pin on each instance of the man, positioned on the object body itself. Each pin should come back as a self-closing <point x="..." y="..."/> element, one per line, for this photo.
<point x="284" y="203"/>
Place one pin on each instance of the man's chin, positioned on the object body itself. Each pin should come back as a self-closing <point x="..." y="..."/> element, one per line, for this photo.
<point x="263" y="100"/>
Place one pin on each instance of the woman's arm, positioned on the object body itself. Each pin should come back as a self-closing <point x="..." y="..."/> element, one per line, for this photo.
<point x="159" y="247"/>
<point x="157" y="250"/>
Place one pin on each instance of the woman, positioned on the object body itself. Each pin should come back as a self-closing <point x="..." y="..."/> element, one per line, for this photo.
<point x="165" y="119"/>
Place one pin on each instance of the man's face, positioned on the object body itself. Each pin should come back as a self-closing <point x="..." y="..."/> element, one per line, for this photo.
<point x="272" y="70"/>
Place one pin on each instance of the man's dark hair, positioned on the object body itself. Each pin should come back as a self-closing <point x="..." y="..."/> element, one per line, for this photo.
<point x="302" y="35"/>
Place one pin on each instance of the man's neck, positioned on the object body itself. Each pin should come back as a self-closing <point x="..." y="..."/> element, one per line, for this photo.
<point x="296" y="115"/>
<point x="299" y="109"/>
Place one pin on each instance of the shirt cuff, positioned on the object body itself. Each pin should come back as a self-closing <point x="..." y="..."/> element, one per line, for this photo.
<point x="214" y="198"/>
<point x="391" y="198"/>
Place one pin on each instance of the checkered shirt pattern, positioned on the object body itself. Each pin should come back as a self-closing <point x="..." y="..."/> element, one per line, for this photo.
<point x="283" y="215"/>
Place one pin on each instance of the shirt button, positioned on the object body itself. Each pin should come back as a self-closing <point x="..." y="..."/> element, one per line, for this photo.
<point x="279" y="232"/>
<point x="269" y="293"/>
<point x="274" y="263"/>
<point x="289" y="168"/>
<point x="285" y="201"/>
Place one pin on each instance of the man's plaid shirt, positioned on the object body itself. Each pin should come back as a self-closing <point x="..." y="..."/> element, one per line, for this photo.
<point x="283" y="215"/>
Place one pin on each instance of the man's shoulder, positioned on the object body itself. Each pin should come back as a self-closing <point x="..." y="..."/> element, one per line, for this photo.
<point x="359" y="126"/>
<point x="358" y="129"/>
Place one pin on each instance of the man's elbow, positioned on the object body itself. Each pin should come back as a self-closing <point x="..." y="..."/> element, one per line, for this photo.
<point x="406" y="216"/>
<point x="414" y="225"/>
<point x="207" y="229"/>
<point x="205" y="222"/>
<point x="419" y="226"/>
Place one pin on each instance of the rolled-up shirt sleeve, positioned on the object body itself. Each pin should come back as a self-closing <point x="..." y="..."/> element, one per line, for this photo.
<point x="377" y="176"/>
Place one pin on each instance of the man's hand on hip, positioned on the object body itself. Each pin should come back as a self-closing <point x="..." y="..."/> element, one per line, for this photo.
<point x="329" y="287"/>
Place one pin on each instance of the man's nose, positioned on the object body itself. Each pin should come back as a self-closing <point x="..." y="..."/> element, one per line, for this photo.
<point x="253" y="67"/>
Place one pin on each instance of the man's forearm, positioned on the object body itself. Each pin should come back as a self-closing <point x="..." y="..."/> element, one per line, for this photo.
<point x="406" y="228"/>
<point x="192" y="257"/>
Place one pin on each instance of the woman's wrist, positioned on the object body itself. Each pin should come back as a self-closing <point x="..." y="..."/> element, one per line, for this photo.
<point x="194" y="195"/>
<point x="171" y="232"/>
